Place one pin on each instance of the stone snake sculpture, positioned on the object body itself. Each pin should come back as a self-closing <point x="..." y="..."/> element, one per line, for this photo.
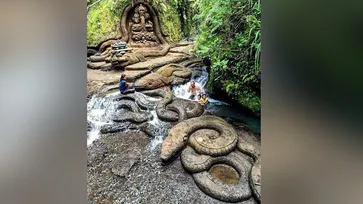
<point x="255" y="176"/>
<point x="128" y="115"/>
<point x="101" y="57"/>
<point x="174" y="109"/>
<point x="208" y="141"/>
<point x="138" y="55"/>
<point x="174" y="70"/>
<point x="199" y="165"/>
<point x="152" y="81"/>
<point x="138" y="99"/>
<point x="206" y="134"/>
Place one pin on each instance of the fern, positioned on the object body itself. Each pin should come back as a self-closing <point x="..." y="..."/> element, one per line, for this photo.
<point x="230" y="34"/>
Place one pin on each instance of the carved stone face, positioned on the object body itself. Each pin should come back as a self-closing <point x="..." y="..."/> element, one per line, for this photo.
<point x="142" y="10"/>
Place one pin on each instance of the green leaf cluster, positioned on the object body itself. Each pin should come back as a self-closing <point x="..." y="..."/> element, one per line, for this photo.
<point x="103" y="20"/>
<point x="230" y="35"/>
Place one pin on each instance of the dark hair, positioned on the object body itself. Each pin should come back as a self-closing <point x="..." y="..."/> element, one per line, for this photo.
<point x="123" y="76"/>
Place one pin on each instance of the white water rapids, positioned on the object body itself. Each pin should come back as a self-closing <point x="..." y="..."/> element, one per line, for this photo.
<point x="181" y="91"/>
<point x="100" y="110"/>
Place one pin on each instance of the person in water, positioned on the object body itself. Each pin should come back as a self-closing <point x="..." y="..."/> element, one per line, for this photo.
<point x="123" y="84"/>
<point x="204" y="99"/>
<point x="193" y="90"/>
<point x="199" y="97"/>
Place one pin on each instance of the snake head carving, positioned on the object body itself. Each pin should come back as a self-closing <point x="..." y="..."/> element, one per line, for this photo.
<point x="171" y="146"/>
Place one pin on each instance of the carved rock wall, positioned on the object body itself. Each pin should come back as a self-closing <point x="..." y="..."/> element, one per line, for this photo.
<point x="140" y="26"/>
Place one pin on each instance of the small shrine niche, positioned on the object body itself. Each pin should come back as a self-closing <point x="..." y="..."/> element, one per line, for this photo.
<point x="140" y="26"/>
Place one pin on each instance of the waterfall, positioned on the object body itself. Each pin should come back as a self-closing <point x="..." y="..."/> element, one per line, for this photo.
<point x="99" y="111"/>
<point x="200" y="81"/>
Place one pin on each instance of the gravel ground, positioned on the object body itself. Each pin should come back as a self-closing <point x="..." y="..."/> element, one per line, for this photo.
<point x="122" y="169"/>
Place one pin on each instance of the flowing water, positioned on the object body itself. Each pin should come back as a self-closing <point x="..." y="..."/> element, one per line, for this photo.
<point x="161" y="127"/>
<point x="100" y="110"/>
<point x="217" y="107"/>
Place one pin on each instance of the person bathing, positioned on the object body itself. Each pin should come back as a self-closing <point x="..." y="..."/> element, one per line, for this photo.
<point x="199" y="97"/>
<point x="193" y="90"/>
<point x="204" y="100"/>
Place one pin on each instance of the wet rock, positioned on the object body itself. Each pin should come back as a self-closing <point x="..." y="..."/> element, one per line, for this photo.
<point x="97" y="153"/>
<point x="197" y="72"/>
<point x="112" y="128"/>
<point x="147" y="181"/>
<point x="129" y="116"/>
<point x="122" y="165"/>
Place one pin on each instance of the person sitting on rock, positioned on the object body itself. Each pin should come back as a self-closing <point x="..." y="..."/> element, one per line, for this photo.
<point x="193" y="89"/>
<point x="204" y="99"/>
<point x="123" y="84"/>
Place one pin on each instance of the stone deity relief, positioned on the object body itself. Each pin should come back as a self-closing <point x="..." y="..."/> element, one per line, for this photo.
<point x="141" y="28"/>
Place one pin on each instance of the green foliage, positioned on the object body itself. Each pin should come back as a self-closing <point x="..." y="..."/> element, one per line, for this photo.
<point x="103" y="20"/>
<point x="230" y="34"/>
<point x="169" y="18"/>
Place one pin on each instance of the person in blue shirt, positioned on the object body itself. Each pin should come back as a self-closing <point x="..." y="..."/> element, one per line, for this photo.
<point x="123" y="84"/>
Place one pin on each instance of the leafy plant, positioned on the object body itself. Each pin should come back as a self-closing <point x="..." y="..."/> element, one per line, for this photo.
<point x="230" y="35"/>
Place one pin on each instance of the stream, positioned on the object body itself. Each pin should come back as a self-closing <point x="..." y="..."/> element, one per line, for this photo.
<point x="100" y="110"/>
